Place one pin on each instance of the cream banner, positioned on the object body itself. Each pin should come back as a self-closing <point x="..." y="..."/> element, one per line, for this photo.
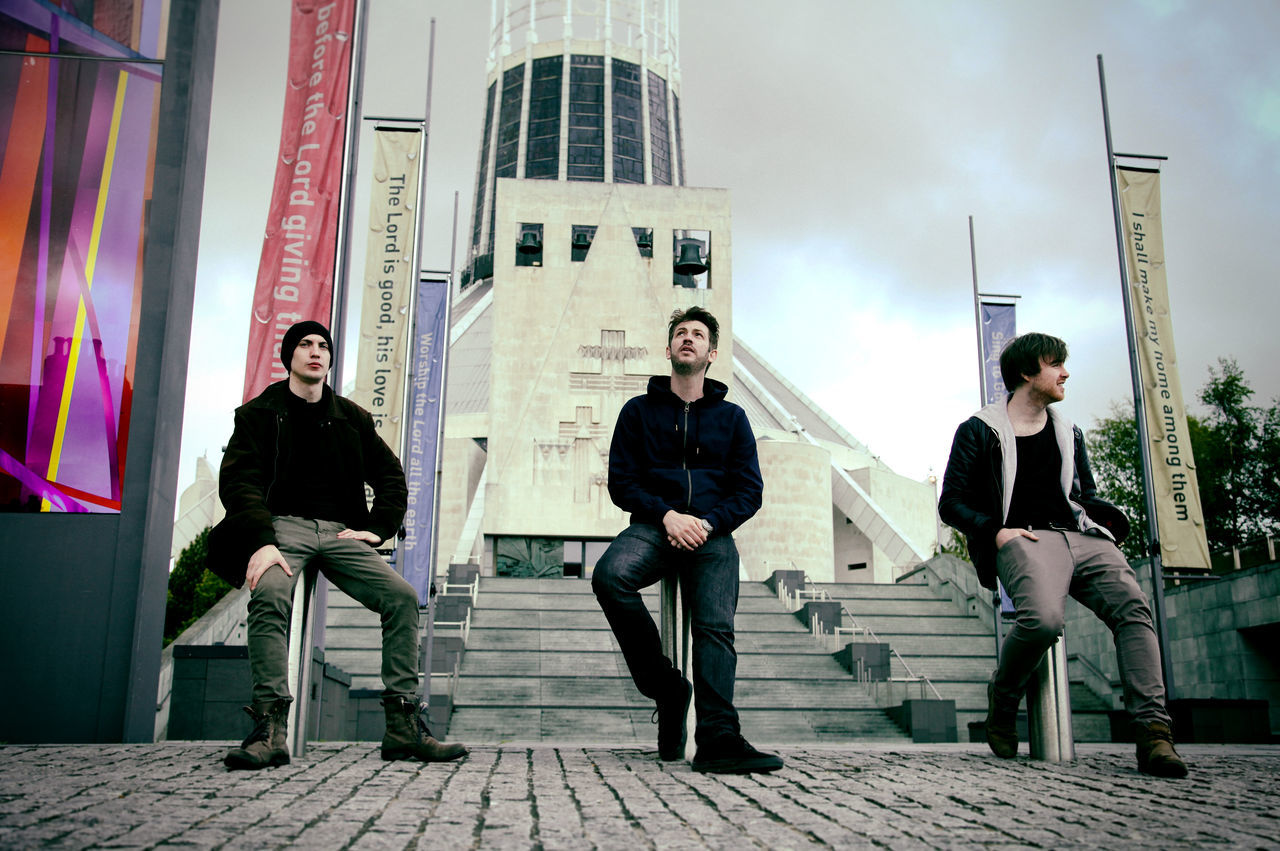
<point x="388" y="280"/>
<point x="1173" y="469"/>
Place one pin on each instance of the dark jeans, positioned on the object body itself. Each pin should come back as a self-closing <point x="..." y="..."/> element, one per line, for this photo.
<point x="359" y="572"/>
<point x="638" y="558"/>
<point x="1040" y="574"/>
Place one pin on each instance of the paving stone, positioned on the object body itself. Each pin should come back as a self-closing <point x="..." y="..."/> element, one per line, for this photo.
<point x="896" y="796"/>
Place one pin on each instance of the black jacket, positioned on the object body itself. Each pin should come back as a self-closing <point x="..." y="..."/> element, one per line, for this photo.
<point x="973" y="491"/>
<point x="695" y="458"/>
<point x="256" y="455"/>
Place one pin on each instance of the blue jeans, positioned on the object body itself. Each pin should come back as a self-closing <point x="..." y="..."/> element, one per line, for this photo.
<point x="638" y="558"/>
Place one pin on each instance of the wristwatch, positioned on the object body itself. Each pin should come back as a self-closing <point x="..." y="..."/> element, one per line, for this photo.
<point x="706" y="526"/>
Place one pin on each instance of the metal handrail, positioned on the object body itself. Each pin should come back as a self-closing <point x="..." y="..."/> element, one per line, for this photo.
<point x="822" y="595"/>
<point x="471" y="589"/>
<point x="464" y="627"/>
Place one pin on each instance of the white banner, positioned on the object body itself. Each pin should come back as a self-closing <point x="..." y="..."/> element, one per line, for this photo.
<point x="384" y="313"/>
<point x="1173" y="469"/>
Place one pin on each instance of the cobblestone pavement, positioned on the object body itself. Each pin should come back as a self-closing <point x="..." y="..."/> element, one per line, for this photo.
<point x="915" y="796"/>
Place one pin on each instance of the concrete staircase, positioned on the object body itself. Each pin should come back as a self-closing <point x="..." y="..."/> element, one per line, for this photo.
<point x="955" y="650"/>
<point x="542" y="665"/>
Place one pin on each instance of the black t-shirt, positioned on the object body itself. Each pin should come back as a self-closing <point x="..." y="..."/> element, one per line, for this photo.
<point x="1038" y="501"/>
<point x="305" y="484"/>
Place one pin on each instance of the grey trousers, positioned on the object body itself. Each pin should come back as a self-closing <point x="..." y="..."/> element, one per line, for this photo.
<point x="360" y="573"/>
<point x="1039" y="575"/>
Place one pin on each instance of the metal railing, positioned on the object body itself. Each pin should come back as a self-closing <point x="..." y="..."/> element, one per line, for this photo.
<point x="792" y="599"/>
<point x="464" y="627"/>
<point x="451" y="681"/>
<point x="471" y="589"/>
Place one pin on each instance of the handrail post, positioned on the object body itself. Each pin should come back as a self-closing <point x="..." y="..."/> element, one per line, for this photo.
<point x="1049" y="707"/>
<point x="301" y="626"/>
<point x="673" y="630"/>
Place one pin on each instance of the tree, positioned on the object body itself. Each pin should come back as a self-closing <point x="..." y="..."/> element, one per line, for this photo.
<point x="1231" y="477"/>
<point x="1237" y="456"/>
<point x="192" y="589"/>
<point x="1116" y="460"/>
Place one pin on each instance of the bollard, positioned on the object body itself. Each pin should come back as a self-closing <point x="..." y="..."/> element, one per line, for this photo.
<point x="301" y="626"/>
<point x="1049" y="707"/>
<point x="674" y="631"/>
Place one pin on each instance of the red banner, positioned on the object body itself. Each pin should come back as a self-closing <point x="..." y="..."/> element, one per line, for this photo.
<point x="295" y="273"/>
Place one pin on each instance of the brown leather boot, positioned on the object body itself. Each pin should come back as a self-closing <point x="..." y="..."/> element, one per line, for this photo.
<point x="1002" y="725"/>
<point x="1156" y="755"/>
<point x="408" y="738"/>
<point x="265" y="746"/>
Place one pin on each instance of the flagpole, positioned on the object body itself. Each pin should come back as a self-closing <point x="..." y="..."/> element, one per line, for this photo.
<point x="1139" y="409"/>
<point x="982" y="401"/>
<point x="977" y="328"/>
<point x="413" y="354"/>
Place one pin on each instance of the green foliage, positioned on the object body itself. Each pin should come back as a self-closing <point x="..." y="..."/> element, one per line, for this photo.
<point x="193" y="590"/>
<point x="1237" y="455"/>
<point x="1116" y="460"/>
<point x="954" y="545"/>
<point x="1235" y="486"/>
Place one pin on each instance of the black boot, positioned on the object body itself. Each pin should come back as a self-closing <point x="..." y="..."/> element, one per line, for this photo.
<point x="265" y="746"/>
<point x="672" y="716"/>
<point x="1002" y="724"/>
<point x="408" y="738"/>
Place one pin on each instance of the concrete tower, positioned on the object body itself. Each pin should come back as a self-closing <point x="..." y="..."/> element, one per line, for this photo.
<point x="585" y="237"/>
<point x="577" y="90"/>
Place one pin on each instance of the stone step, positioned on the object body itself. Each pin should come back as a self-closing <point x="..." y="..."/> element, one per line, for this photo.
<point x="901" y="608"/>
<point x="939" y="644"/>
<point x="494" y="663"/>
<point x="633" y="727"/>
<point x="889" y="626"/>
<point x="875" y="591"/>
<point x="946" y="668"/>
<point x="485" y="618"/>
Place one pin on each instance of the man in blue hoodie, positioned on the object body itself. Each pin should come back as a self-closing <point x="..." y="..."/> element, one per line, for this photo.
<point x="683" y="463"/>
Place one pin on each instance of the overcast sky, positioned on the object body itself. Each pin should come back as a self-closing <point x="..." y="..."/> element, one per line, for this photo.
<point x="856" y="139"/>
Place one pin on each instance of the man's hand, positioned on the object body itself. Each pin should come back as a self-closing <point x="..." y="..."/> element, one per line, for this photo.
<point x="361" y="535"/>
<point x="261" y="561"/>
<point x="684" y="531"/>
<point x="1004" y="536"/>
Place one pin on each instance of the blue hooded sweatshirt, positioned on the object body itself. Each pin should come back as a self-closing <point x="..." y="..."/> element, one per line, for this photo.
<point x="695" y="458"/>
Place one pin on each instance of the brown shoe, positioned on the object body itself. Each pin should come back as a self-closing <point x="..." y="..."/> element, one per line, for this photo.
<point x="1002" y="725"/>
<point x="265" y="746"/>
<point x="408" y="738"/>
<point x="1156" y="755"/>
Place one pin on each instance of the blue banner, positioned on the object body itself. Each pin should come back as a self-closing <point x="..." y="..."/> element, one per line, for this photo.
<point x="998" y="328"/>
<point x="426" y="422"/>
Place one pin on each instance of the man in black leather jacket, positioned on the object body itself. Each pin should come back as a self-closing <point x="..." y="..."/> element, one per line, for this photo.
<point x="292" y="482"/>
<point x="1018" y="485"/>
<point x="683" y="462"/>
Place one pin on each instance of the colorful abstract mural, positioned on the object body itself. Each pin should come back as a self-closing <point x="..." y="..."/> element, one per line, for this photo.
<point x="79" y="103"/>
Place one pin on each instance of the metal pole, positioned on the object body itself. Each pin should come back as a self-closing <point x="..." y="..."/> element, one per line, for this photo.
<point x="1139" y="410"/>
<point x="350" y="152"/>
<point x="977" y="321"/>
<point x="1049" y="707"/>
<point x="982" y="403"/>
<point x="413" y="336"/>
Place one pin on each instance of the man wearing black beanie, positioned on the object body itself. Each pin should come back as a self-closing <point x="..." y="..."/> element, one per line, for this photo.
<point x="293" y="483"/>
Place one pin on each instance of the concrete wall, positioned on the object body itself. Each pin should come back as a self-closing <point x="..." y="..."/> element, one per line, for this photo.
<point x="792" y="529"/>
<point x="1222" y="636"/>
<point x="912" y="506"/>
<point x="553" y="398"/>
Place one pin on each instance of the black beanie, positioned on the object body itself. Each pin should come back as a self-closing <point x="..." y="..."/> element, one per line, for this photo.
<point x="294" y="336"/>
